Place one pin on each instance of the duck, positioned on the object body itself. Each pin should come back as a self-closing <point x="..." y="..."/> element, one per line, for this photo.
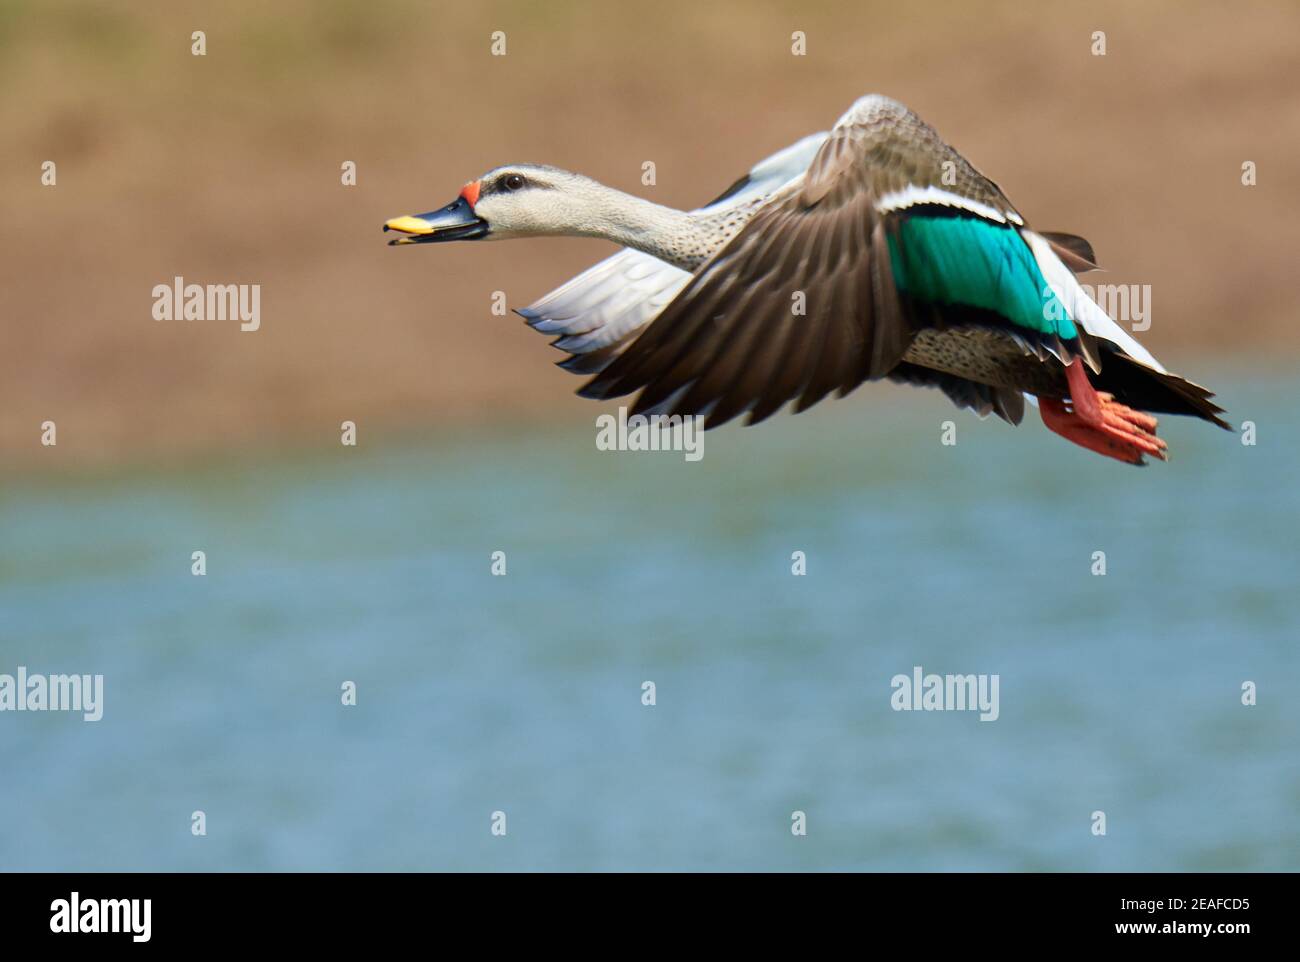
<point x="871" y="251"/>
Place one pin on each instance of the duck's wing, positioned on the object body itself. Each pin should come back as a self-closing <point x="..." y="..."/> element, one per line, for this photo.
<point x="597" y="314"/>
<point x="803" y="300"/>
<point x="983" y="399"/>
<point x="890" y="231"/>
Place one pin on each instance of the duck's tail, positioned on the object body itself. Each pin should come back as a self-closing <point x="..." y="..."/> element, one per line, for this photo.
<point x="1144" y="388"/>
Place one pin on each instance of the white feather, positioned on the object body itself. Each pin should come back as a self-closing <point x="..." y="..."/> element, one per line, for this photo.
<point x="633" y="305"/>
<point x="911" y="196"/>
<point x="564" y="307"/>
<point x="1083" y="310"/>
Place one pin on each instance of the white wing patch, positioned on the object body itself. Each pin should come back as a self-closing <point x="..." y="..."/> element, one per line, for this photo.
<point x="912" y="196"/>
<point x="607" y="302"/>
<point x="1083" y="310"/>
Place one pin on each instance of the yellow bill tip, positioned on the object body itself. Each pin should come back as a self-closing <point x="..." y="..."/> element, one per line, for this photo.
<point x="408" y="225"/>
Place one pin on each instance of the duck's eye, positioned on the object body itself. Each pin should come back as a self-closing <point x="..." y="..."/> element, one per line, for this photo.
<point x="513" y="181"/>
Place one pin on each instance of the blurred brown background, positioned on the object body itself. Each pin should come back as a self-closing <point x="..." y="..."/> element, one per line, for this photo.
<point x="226" y="169"/>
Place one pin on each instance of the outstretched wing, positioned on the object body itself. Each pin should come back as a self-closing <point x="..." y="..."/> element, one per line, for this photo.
<point x="597" y="314"/>
<point x="803" y="300"/>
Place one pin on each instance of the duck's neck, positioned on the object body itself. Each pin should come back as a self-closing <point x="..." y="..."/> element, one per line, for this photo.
<point x="680" y="238"/>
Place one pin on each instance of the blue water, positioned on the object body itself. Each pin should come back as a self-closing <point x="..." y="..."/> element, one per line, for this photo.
<point x="522" y="693"/>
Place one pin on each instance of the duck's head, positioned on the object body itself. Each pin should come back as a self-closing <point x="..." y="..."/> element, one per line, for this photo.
<point x="519" y="200"/>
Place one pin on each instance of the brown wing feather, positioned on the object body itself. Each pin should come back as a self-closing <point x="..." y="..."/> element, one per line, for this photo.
<point x="731" y="342"/>
<point x="1075" y="252"/>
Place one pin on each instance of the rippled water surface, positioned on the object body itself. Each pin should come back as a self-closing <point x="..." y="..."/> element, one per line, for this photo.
<point x="522" y="693"/>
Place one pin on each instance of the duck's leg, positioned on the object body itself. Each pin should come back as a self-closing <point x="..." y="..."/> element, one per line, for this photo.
<point x="1097" y="422"/>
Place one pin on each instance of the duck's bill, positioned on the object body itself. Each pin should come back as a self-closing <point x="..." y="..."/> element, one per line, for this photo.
<point x="456" y="221"/>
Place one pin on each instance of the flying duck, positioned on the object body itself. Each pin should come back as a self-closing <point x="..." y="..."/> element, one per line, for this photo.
<point x="874" y="250"/>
